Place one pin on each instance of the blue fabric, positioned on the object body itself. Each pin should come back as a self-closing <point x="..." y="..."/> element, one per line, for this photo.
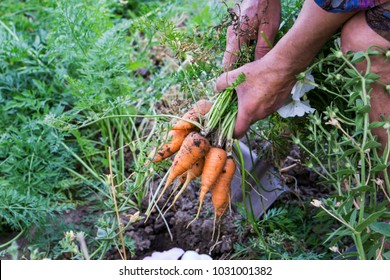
<point x="340" y="6"/>
<point x="377" y="14"/>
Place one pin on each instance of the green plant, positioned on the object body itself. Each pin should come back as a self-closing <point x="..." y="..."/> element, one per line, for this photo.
<point x="340" y="142"/>
<point x="285" y="234"/>
<point x="33" y="185"/>
<point x="63" y="63"/>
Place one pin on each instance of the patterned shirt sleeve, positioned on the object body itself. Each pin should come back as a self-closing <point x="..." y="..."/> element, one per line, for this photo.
<point x="342" y="6"/>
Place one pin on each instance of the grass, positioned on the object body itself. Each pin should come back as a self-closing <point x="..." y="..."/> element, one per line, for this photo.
<point x="85" y="89"/>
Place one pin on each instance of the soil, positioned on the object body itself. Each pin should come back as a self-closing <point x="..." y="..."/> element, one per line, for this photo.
<point x="302" y="181"/>
<point x="153" y="235"/>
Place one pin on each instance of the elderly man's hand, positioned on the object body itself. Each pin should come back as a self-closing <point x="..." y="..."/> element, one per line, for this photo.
<point x="266" y="87"/>
<point x="253" y="18"/>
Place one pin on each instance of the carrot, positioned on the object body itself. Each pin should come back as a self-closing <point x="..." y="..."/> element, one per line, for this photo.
<point x="213" y="166"/>
<point x="196" y="169"/>
<point x="194" y="172"/>
<point x="176" y="138"/>
<point x="183" y="178"/>
<point x="194" y="147"/>
<point x="200" y="108"/>
<point x="181" y="181"/>
<point x="220" y="193"/>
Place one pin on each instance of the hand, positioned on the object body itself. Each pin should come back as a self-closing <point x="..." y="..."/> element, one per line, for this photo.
<point x="253" y="17"/>
<point x="266" y="87"/>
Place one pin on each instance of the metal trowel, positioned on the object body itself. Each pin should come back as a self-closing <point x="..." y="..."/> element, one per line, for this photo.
<point x="263" y="191"/>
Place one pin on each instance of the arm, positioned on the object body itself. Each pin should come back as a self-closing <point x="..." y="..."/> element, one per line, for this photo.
<point x="313" y="28"/>
<point x="270" y="79"/>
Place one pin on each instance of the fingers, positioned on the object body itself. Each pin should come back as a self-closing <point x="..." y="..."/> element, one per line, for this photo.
<point x="225" y="80"/>
<point x="268" y="28"/>
<point x="243" y="29"/>
<point x="264" y="41"/>
<point x="233" y="43"/>
<point x="263" y="44"/>
<point x="261" y="51"/>
<point x="243" y="123"/>
<point x="243" y="119"/>
<point x="232" y="48"/>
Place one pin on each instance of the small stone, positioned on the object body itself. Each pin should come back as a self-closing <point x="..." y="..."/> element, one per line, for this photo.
<point x="172" y="254"/>
<point x="192" y="255"/>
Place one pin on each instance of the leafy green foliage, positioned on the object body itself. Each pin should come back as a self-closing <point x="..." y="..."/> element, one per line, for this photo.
<point x="60" y="63"/>
<point x="286" y="233"/>
<point x="340" y="142"/>
<point x="33" y="183"/>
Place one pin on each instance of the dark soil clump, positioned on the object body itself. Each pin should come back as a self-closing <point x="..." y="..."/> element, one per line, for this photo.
<point x="153" y="235"/>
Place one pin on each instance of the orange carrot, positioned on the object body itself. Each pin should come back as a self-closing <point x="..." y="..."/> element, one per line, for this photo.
<point x="196" y="169"/>
<point x="183" y="178"/>
<point x="220" y="193"/>
<point x="200" y="108"/>
<point x="213" y="166"/>
<point x="194" y="147"/>
<point x="176" y="138"/>
<point x="194" y="172"/>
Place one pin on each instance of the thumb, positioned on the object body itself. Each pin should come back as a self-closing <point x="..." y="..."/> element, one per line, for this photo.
<point x="243" y="123"/>
<point x="225" y="80"/>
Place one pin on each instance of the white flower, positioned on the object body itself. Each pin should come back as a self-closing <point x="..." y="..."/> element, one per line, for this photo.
<point x="301" y="87"/>
<point x="296" y="107"/>
<point x="334" y="249"/>
<point x="316" y="203"/>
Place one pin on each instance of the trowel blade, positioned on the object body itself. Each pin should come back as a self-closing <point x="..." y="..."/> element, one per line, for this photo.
<point x="262" y="194"/>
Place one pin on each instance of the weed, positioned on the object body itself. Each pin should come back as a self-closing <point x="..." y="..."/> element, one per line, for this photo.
<point x="347" y="154"/>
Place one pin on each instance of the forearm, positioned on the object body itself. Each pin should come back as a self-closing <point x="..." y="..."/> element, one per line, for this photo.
<point x="311" y="31"/>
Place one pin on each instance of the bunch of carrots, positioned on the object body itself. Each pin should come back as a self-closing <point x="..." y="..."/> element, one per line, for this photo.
<point x="201" y="142"/>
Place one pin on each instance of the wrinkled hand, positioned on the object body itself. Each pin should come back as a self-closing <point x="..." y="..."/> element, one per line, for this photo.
<point x="253" y="17"/>
<point x="262" y="92"/>
<point x="267" y="86"/>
